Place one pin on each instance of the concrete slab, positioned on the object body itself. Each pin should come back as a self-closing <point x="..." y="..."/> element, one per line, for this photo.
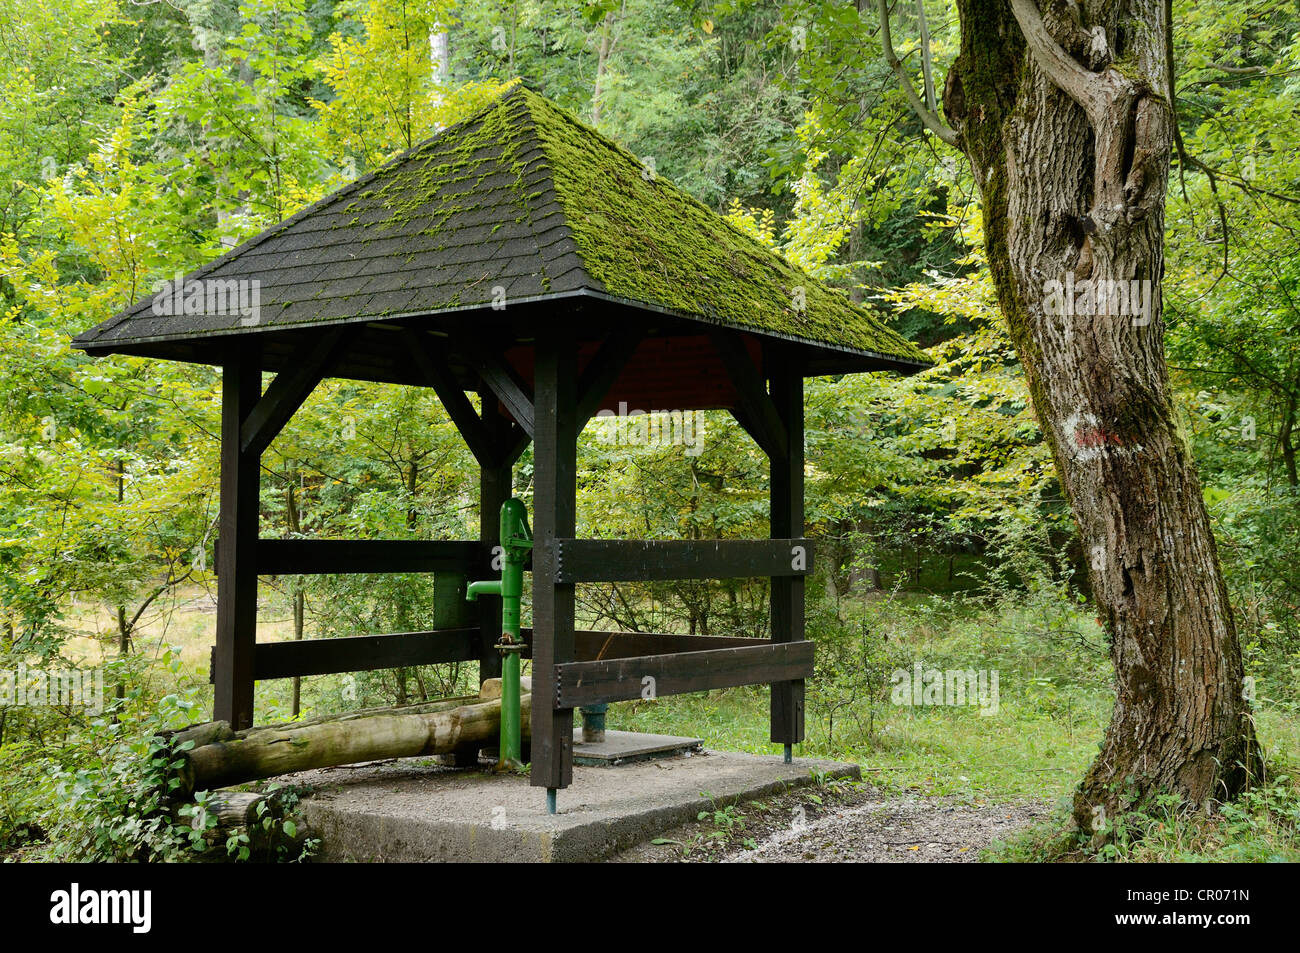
<point x="417" y="811"/>
<point x="622" y="747"/>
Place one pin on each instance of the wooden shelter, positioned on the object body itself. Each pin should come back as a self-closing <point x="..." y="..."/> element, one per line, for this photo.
<point x="522" y="256"/>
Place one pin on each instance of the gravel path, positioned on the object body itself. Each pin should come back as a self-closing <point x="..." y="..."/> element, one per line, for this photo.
<point x="861" y="825"/>
<point x="910" y="830"/>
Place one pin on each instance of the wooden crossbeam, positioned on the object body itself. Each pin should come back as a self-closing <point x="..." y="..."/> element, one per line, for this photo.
<point x="501" y="378"/>
<point x="433" y="367"/>
<point x="631" y="560"/>
<point x="603" y="370"/>
<point x="364" y="653"/>
<point x="288" y="557"/>
<point x="755" y="433"/>
<point x="286" y="394"/>
<point x="515" y="443"/>
<point x="758" y="414"/>
<point x="590" y="645"/>
<point x="655" y="676"/>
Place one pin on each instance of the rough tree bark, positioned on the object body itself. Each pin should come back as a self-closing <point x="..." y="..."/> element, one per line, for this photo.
<point x="1065" y="118"/>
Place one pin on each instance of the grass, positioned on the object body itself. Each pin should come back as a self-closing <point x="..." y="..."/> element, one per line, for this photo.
<point x="1054" y="702"/>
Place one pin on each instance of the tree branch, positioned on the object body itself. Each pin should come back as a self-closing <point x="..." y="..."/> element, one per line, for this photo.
<point x="929" y="117"/>
<point x="1075" y="80"/>
<point x="927" y="64"/>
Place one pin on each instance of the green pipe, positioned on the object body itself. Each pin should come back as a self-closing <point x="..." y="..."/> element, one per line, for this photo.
<point x="593" y="722"/>
<point x="511" y="723"/>
<point x="516" y="542"/>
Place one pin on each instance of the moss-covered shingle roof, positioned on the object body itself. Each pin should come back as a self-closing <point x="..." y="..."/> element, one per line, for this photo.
<point x="524" y="198"/>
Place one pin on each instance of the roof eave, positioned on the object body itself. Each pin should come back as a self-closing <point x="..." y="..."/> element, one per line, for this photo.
<point x="97" y="347"/>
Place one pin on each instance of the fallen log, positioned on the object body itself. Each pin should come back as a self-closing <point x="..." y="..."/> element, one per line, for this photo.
<point x="255" y="822"/>
<point x="258" y="753"/>
<point x="209" y="732"/>
<point x="491" y="688"/>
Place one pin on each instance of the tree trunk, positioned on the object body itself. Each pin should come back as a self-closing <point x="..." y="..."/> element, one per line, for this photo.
<point x="1285" y="441"/>
<point x="607" y="40"/>
<point x="1072" y="156"/>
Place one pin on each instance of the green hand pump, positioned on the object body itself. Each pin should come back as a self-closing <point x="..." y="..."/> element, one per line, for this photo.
<point x="516" y="543"/>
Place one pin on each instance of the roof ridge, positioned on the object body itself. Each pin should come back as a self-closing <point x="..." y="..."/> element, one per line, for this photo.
<point x="745" y="244"/>
<point x="529" y="99"/>
<point x="662" y="181"/>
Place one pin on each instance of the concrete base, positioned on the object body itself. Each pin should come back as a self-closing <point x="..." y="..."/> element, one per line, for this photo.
<point x="418" y="811"/>
<point x="624" y="747"/>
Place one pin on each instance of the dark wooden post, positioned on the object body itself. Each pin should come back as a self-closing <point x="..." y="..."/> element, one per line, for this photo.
<point x="786" y="389"/>
<point x="494" y="487"/>
<point x="241" y="386"/>
<point x="554" y="517"/>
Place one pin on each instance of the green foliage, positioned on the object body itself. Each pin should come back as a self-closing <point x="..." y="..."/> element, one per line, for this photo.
<point x="1261" y="826"/>
<point x="138" y="140"/>
<point x="727" y="823"/>
<point x="111" y="800"/>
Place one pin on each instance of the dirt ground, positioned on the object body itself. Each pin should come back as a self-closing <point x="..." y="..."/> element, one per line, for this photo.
<point x="848" y="824"/>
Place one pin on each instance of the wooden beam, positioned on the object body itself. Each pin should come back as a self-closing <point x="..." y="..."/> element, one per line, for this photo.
<point x="589" y="645"/>
<point x="241" y="385"/>
<point x="747" y="425"/>
<point x="287" y="393"/>
<point x="288" y="557"/>
<point x="656" y="676"/>
<point x="604" y="369"/>
<point x="515" y="442"/>
<point x="759" y="412"/>
<point x="787" y="500"/>
<point x="494" y="488"/>
<point x="364" y="653"/>
<point x="434" y="369"/>
<point x="555" y="488"/>
<point x="502" y="380"/>
<point x="632" y="560"/>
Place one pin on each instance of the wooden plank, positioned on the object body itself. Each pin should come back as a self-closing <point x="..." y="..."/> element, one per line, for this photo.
<point x="241" y="385"/>
<point x="589" y="645"/>
<point x="451" y="610"/>
<point x="287" y="393"/>
<point x="494" y="488"/>
<point x="787" y="492"/>
<point x="628" y="560"/>
<point x="433" y="368"/>
<point x="287" y="557"/>
<point x="758" y="411"/>
<point x="593" y="646"/>
<point x="554" y="517"/>
<point x="504" y="383"/>
<point x="656" y="676"/>
<point x="363" y="653"/>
